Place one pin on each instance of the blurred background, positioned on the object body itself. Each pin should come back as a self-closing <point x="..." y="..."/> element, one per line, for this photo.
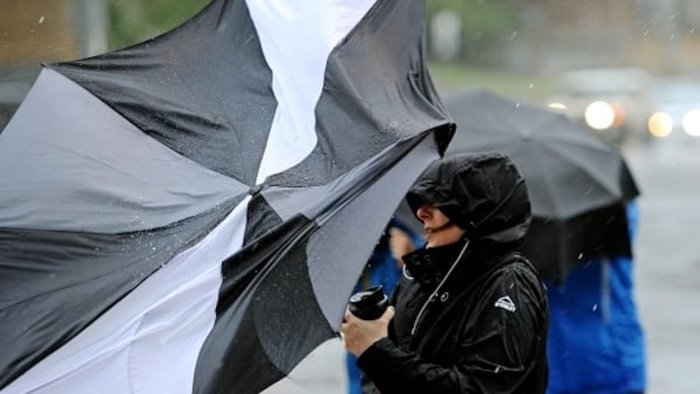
<point x="626" y="70"/>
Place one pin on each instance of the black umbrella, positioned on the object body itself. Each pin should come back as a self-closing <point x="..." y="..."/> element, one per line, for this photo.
<point x="578" y="184"/>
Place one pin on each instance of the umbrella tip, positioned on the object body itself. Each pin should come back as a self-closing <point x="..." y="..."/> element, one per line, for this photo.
<point x="255" y="190"/>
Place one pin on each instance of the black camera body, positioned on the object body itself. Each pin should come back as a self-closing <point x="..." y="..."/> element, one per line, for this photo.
<point x="369" y="304"/>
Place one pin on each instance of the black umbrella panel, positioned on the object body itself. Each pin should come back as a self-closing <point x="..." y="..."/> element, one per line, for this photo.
<point x="190" y="214"/>
<point x="578" y="184"/>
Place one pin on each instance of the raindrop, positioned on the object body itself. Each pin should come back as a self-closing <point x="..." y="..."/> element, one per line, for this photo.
<point x="646" y="33"/>
<point x="532" y="86"/>
<point x="595" y="307"/>
<point x="513" y="35"/>
<point x="498" y="369"/>
<point x="517" y="105"/>
<point x="580" y="256"/>
<point x="41" y="20"/>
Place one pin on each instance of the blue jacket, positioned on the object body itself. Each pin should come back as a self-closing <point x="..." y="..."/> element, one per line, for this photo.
<point x="382" y="270"/>
<point x="595" y="341"/>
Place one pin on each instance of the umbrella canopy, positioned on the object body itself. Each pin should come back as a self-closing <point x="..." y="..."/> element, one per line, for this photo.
<point x="577" y="183"/>
<point x="191" y="214"/>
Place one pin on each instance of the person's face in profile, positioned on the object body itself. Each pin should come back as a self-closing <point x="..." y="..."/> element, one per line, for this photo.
<point x="438" y="229"/>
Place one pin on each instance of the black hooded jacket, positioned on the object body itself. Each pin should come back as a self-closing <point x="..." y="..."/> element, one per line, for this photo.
<point x="471" y="317"/>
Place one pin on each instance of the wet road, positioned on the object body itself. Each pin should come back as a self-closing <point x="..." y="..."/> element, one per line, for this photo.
<point x="668" y="261"/>
<point x="667" y="252"/>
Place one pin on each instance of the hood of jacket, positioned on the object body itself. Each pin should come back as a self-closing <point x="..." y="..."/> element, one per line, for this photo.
<point x="483" y="193"/>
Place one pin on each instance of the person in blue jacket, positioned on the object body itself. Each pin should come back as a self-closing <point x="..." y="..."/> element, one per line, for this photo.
<point x="383" y="268"/>
<point x="595" y="341"/>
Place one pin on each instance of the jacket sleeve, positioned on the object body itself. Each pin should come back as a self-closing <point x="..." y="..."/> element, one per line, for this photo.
<point x="497" y="351"/>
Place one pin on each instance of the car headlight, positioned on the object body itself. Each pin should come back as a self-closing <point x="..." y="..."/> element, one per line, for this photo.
<point x="599" y="115"/>
<point x="660" y="124"/>
<point x="691" y="123"/>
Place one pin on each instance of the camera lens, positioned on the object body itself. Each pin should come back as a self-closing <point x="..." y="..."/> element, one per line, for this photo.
<point x="369" y="304"/>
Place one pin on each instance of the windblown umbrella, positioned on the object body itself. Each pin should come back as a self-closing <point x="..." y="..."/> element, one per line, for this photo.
<point x="190" y="214"/>
<point x="578" y="184"/>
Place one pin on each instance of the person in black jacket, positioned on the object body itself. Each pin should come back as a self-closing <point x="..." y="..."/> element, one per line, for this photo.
<point x="470" y="312"/>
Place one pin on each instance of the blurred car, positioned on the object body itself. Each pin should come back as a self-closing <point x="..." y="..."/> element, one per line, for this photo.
<point x="615" y="103"/>
<point x="678" y="114"/>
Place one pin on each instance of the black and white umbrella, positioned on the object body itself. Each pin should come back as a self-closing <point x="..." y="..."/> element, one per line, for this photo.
<point x="190" y="214"/>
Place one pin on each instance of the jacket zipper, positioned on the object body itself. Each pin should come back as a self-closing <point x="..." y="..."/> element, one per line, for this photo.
<point x="437" y="289"/>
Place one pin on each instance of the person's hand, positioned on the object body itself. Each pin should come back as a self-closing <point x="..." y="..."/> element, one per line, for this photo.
<point x="359" y="334"/>
<point x="400" y="244"/>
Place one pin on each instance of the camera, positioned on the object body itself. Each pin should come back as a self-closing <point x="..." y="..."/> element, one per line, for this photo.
<point x="369" y="304"/>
